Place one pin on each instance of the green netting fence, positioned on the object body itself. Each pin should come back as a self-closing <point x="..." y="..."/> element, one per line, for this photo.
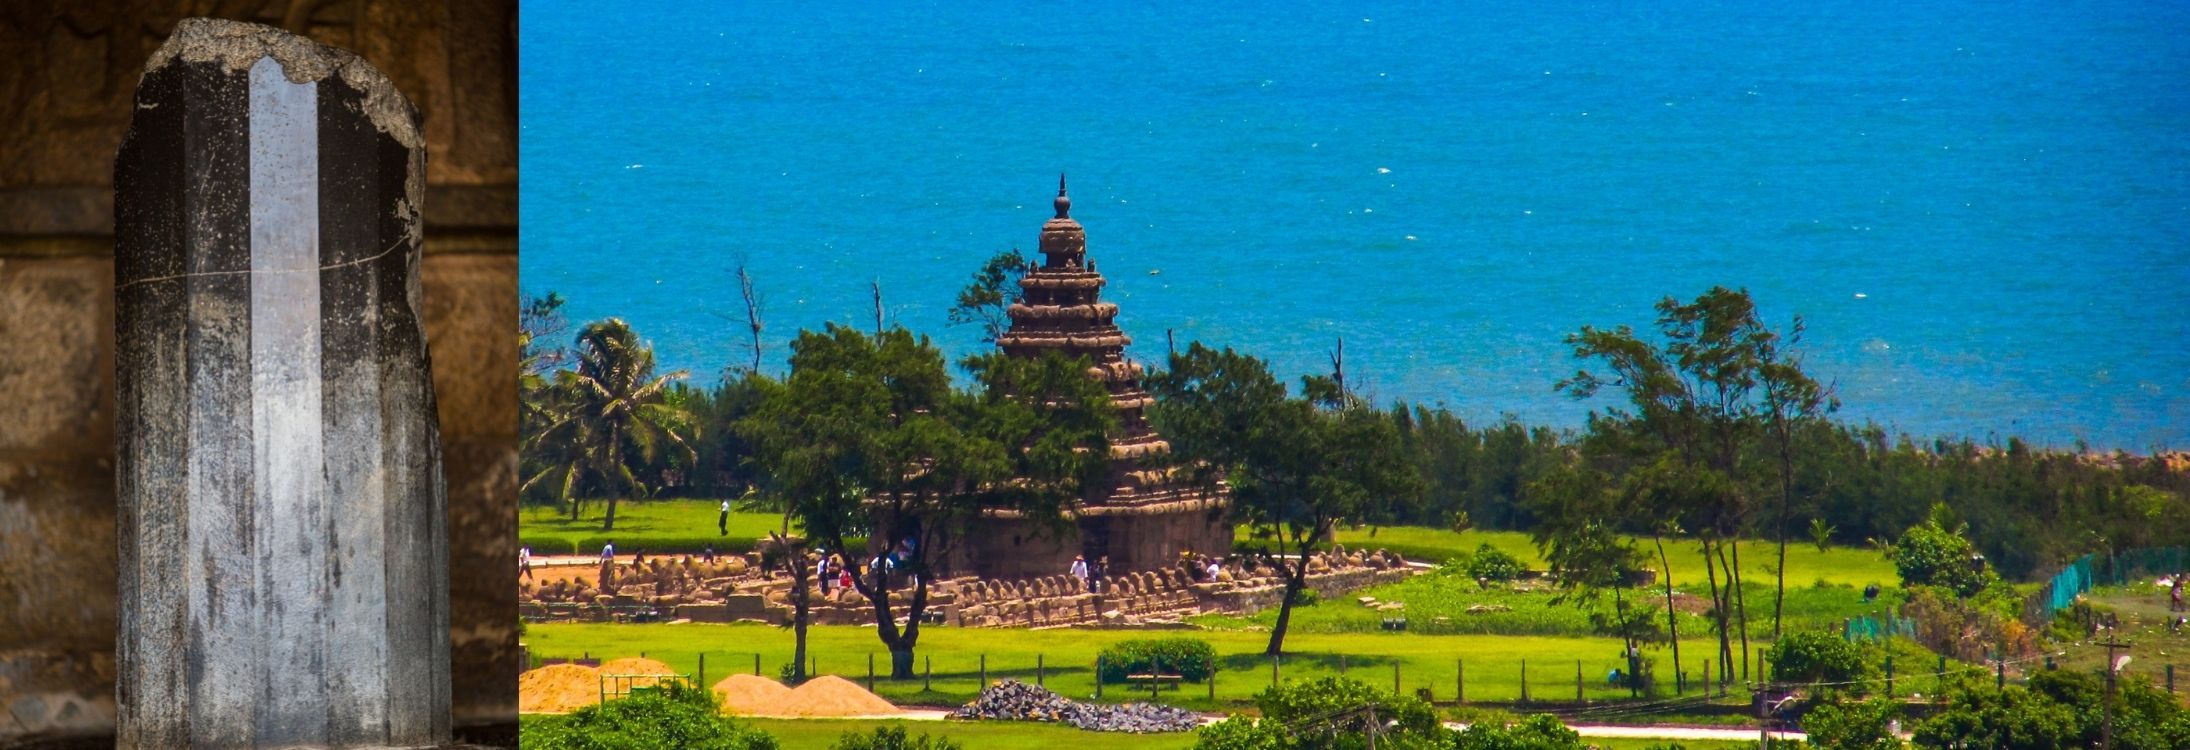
<point x="1878" y="628"/>
<point x="2093" y="570"/>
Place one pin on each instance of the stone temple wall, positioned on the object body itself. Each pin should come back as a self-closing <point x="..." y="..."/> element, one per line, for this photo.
<point x="65" y="98"/>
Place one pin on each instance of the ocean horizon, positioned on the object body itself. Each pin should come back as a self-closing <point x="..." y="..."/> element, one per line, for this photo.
<point x="1980" y="211"/>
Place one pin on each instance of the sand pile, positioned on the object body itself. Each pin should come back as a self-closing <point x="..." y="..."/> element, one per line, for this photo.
<point x="634" y="667"/>
<point x="750" y="695"/>
<point x="746" y="695"/>
<point x="557" y="689"/>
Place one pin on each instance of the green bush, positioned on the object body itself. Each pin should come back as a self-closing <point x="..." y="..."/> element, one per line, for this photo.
<point x="673" y="716"/>
<point x="1816" y="656"/>
<point x="1190" y="659"/>
<point x="892" y="738"/>
<point x="1331" y="713"/>
<point x="1537" y="732"/>
<point x="1862" y="725"/>
<point x="1930" y="554"/>
<point x="1492" y="564"/>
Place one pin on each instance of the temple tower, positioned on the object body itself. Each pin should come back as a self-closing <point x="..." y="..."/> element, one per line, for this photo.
<point x="1141" y="517"/>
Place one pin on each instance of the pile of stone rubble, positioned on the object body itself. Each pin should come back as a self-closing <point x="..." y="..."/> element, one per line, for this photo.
<point x="1018" y="701"/>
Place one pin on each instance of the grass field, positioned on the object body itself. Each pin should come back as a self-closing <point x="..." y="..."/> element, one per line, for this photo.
<point x="652" y="526"/>
<point x="675" y="526"/>
<point x="1492" y="664"/>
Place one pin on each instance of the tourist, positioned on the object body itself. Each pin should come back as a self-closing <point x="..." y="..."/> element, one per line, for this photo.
<point x="722" y="522"/>
<point x="708" y="555"/>
<point x="524" y="562"/>
<point x="1098" y="575"/>
<point x="2174" y="594"/>
<point x="1079" y="571"/>
<point x="843" y="576"/>
<point x="1215" y="567"/>
<point x="608" y="551"/>
<point x="821" y="573"/>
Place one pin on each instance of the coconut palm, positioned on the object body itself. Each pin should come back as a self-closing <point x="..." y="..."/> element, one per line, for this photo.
<point x="607" y="415"/>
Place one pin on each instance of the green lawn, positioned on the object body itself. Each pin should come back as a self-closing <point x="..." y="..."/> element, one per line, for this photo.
<point x="1854" y="566"/>
<point x="652" y="526"/>
<point x="1492" y="664"/>
<point x="1441" y="603"/>
<point x="676" y="526"/>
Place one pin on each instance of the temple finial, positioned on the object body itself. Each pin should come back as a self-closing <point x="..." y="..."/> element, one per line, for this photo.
<point x="1064" y="204"/>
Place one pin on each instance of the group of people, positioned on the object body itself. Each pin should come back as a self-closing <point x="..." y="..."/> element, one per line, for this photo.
<point x="1091" y="576"/>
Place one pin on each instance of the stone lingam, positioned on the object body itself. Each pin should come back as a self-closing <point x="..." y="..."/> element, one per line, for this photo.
<point x="283" y="561"/>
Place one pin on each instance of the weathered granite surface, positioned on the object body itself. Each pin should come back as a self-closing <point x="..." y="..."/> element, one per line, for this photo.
<point x="282" y="509"/>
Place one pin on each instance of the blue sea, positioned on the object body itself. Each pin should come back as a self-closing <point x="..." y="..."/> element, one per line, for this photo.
<point x="1980" y="210"/>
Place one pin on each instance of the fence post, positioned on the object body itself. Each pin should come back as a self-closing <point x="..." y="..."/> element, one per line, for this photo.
<point x="1577" y="681"/>
<point x="1341" y="665"/>
<point x="1273" y="670"/>
<point x="1459" y="681"/>
<point x="1524" y="680"/>
<point x="1395" y="678"/>
<point x="1038" y="670"/>
<point x="1213" y="681"/>
<point x="927" y="670"/>
<point x="2001" y="680"/>
<point x="2170" y="679"/>
<point x="984" y="671"/>
<point x="1942" y="675"/>
<point x="1098" y="675"/>
<point x="703" y="670"/>
<point x="870" y="671"/>
<point x="756" y="664"/>
<point x="813" y="666"/>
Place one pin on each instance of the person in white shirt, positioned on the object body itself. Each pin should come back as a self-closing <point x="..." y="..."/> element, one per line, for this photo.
<point x="524" y="561"/>
<point x="608" y="551"/>
<point x="1079" y="571"/>
<point x="722" y="522"/>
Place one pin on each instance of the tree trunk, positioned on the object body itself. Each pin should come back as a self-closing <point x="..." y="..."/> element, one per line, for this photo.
<point x="1295" y="579"/>
<point x="609" y="523"/>
<point x="794" y="562"/>
<point x="1741" y="606"/>
<point x="1718" y="611"/>
<point x="1672" y="616"/>
<point x="1786" y="504"/>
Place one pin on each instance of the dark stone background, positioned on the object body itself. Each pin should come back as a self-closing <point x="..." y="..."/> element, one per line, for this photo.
<point x="65" y="97"/>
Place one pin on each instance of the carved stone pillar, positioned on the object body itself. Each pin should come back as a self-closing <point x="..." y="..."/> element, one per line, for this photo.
<point x="282" y="512"/>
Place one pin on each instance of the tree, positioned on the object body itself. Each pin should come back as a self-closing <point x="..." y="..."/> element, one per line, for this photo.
<point x="867" y="439"/>
<point x="1699" y="396"/>
<point x="605" y="416"/>
<point x="1296" y="466"/>
<point x="1586" y="554"/>
<point x="987" y="297"/>
<point x="1791" y="398"/>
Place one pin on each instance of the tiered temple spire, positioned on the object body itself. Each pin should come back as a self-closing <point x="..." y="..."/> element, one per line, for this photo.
<point x="1060" y="310"/>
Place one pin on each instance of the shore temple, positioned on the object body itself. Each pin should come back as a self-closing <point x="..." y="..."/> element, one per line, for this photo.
<point x="1140" y="516"/>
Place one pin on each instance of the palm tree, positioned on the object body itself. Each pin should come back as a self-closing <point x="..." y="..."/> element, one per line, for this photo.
<point x="601" y="416"/>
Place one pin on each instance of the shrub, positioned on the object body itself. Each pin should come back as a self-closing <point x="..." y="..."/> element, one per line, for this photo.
<point x="892" y="738"/>
<point x="1327" y="714"/>
<point x="1192" y="660"/>
<point x="1930" y="554"/>
<point x="1537" y="732"/>
<point x="1816" y="656"/>
<point x="1866" y="725"/>
<point x="671" y="716"/>
<point x="1492" y="564"/>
